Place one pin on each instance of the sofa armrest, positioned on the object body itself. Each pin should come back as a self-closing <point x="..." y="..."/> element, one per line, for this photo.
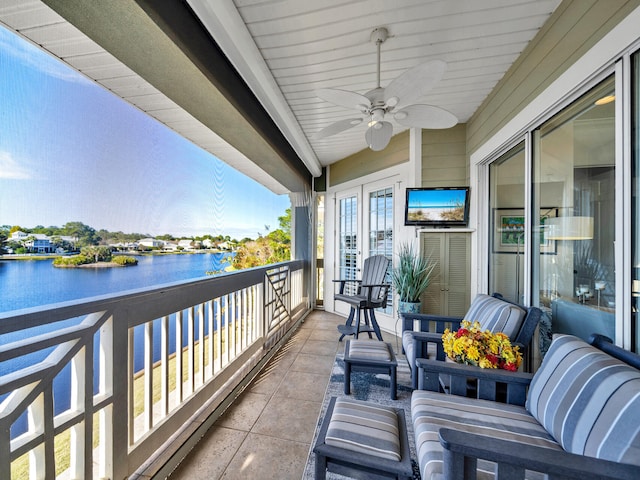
<point x="441" y="321"/>
<point x="488" y="380"/>
<point x="462" y="450"/>
<point x="422" y="339"/>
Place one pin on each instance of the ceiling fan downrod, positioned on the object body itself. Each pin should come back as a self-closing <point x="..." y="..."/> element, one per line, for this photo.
<point x="378" y="36"/>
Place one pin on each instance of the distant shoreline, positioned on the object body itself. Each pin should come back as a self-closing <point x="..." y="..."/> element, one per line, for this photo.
<point x="52" y="256"/>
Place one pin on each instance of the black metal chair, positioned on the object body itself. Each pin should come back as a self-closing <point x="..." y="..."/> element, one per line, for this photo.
<point x="371" y="293"/>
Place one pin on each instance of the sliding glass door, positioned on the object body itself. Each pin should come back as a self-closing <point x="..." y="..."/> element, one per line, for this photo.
<point x="507" y="197"/>
<point x="635" y="203"/>
<point x="574" y="227"/>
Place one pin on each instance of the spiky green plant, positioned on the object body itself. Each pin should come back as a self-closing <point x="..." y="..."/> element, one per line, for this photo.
<point x="412" y="274"/>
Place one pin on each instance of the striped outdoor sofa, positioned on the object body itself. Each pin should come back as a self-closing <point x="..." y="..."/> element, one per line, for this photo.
<point x="492" y="312"/>
<point x="580" y="418"/>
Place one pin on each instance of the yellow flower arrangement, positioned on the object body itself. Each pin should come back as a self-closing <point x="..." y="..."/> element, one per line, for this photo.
<point x="472" y="346"/>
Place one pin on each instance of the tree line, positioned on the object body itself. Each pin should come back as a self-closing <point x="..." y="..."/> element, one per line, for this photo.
<point x="272" y="247"/>
<point x="86" y="235"/>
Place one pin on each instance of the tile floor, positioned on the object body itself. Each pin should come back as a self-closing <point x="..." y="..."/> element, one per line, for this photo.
<point x="267" y="432"/>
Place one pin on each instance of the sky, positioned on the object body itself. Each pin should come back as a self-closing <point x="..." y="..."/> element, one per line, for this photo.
<point x="71" y="151"/>
<point x="436" y="198"/>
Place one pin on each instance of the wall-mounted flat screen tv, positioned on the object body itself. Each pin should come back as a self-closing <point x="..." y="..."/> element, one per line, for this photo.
<point x="437" y="207"/>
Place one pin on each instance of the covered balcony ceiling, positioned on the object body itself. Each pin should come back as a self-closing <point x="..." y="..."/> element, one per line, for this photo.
<point x="239" y="77"/>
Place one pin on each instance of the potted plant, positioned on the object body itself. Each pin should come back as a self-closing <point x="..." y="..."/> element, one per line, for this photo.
<point x="411" y="276"/>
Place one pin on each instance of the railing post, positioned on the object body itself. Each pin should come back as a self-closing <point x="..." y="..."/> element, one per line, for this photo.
<point x="118" y="462"/>
<point x="164" y="366"/>
<point x="148" y="376"/>
<point x="179" y="382"/>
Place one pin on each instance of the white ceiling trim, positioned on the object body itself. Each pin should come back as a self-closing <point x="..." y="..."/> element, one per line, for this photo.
<point x="226" y="26"/>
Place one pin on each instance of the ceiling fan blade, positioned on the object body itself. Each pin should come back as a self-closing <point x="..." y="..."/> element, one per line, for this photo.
<point x="415" y="82"/>
<point x="344" y="98"/>
<point x="337" y="127"/>
<point x="425" y="116"/>
<point x="378" y="135"/>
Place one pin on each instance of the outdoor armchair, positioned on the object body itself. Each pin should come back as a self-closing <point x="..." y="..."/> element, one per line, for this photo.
<point x="368" y="293"/>
<point x="422" y="333"/>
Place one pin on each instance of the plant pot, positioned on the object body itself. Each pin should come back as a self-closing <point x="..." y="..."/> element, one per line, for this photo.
<point x="408" y="307"/>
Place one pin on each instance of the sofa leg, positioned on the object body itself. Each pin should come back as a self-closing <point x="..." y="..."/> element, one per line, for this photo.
<point x="321" y="467"/>
<point x="394" y="383"/>
<point x="347" y="378"/>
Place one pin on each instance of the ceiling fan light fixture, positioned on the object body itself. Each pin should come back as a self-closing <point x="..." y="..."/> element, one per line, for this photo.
<point x="378" y="136"/>
<point x="377" y="115"/>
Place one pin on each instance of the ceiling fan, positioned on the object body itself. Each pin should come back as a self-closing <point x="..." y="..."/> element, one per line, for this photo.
<point x="380" y="105"/>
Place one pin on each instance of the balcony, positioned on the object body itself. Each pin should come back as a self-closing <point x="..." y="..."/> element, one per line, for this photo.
<point x="73" y="407"/>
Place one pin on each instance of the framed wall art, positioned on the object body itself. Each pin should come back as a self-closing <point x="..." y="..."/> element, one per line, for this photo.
<point x="508" y="230"/>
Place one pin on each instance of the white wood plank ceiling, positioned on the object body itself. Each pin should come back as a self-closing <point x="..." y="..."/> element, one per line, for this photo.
<point x="307" y="45"/>
<point x="286" y="49"/>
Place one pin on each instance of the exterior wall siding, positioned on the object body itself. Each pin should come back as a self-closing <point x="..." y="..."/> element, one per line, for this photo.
<point x="367" y="161"/>
<point x="444" y="157"/>
<point x="574" y="28"/>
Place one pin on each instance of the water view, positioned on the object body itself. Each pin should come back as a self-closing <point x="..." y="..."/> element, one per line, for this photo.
<point x="26" y="284"/>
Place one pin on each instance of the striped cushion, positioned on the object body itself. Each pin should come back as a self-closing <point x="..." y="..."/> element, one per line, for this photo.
<point x="589" y="401"/>
<point x="431" y="411"/>
<point x="496" y="315"/>
<point x="369" y="349"/>
<point x="407" y="344"/>
<point x="365" y="428"/>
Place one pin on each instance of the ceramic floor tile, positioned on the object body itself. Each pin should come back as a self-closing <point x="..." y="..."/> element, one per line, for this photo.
<point x="303" y="386"/>
<point x="320" y="364"/>
<point x="244" y="412"/>
<point x="263" y="457"/>
<point x="209" y="458"/>
<point x="289" y="419"/>
<point x="284" y="358"/>
<point x="330" y="335"/>
<point x="303" y="333"/>
<point x="268" y="380"/>
<point x="320" y="347"/>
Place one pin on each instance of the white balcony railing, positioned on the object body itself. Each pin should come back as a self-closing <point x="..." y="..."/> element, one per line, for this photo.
<point x="94" y="388"/>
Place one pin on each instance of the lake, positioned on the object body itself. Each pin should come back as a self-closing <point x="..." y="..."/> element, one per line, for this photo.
<point x="26" y="283"/>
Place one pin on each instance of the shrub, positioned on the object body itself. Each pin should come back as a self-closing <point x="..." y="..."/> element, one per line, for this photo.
<point x="124" y="260"/>
<point x="72" y="261"/>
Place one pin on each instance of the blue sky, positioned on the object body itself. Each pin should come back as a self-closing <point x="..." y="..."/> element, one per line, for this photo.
<point x="72" y="151"/>
<point x="436" y="198"/>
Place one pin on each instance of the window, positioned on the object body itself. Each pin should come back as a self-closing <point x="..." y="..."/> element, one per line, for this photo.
<point x="381" y="229"/>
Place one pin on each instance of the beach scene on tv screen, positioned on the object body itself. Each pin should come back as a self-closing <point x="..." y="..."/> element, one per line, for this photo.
<point x="436" y="206"/>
